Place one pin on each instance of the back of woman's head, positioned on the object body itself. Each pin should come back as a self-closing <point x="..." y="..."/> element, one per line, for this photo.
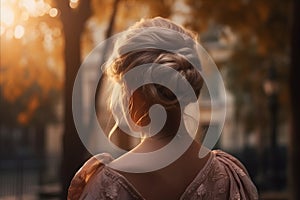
<point x="164" y="43"/>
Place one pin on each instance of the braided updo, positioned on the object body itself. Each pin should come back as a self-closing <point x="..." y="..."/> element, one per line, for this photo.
<point x="139" y="46"/>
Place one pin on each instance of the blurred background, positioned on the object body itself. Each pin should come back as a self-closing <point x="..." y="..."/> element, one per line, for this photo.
<point x="43" y="42"/>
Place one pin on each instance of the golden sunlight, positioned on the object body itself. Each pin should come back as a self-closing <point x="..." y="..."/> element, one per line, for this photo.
<point x="73" y="3"/>
<point x="53" y="12"/>
<point x="7" y="15"/>
<point x="35" y="8"/>
<point x="19" y="32"/>
<point x="29" y="5"/>
<point x="16" y="13"/>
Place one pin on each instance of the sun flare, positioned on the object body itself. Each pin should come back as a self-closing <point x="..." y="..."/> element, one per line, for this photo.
<point x="7" y="15"/>
<point x="15" y="15"/>
<point x="19" y="32"/>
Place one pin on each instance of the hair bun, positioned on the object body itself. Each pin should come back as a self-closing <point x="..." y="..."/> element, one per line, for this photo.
<point x="177" y="62"/>
<point x="162" y="42"/>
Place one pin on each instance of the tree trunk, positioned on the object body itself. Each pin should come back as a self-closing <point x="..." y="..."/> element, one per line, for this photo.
<point x="74" y="152"/>
<point x="295" y="100"/>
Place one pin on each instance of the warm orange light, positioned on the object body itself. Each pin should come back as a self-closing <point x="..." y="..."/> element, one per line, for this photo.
<point x="53" y="12"/>
<point x="9" y="34"/>
<point x="2" y="30"/>
<point x="25" y="16"/>
<point x="35" y="8"/>
<point x="19" y="32"/>
<point x="23" y="118"/>
<point x="73" y="3"/>
<point x="7" y="15"/>
<point x="14" y="12"/>
<point x="29" y="5"/>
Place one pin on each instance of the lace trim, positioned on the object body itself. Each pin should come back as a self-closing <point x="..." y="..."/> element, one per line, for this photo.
<point x="123" y="182"/>
<point x="222" y="177"/>
<point x="201" y="176"/>
<point x="192" y="187"/>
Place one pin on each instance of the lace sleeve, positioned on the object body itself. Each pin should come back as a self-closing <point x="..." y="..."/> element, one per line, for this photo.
<point x="225" y="177"/>
<point x="240" y="184"/>
<point x="81" y="178"/>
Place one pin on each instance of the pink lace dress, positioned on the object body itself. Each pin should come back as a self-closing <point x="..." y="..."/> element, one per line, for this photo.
<point x="222" y="177"/>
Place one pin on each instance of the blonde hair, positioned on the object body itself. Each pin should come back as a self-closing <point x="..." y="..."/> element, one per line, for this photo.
<point x="123" y="62"/>
<point x="146" y="44"/>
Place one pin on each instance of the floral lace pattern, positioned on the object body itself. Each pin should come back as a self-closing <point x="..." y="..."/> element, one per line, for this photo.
<point x="223" y="177"/>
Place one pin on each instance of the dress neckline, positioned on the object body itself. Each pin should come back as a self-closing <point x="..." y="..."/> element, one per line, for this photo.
<point x="199" y="178"/>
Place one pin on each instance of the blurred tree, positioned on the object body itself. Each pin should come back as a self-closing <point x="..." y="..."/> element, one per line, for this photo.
<point x="295" y="99"/>
<point x="257" y="24"/>
<point x="163" y="8"/>
<point x="260" y="32"/>
<point x="31" y="77"/>
<point x="74" y="15"/>
<point x="257" y="34"/>
<point x="30" y="85"/>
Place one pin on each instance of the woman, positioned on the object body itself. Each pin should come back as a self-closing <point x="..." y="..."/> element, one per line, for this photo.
<point x="217" y="175"/>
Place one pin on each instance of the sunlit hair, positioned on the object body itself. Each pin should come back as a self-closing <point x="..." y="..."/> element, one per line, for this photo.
<point x="123" y="60"/>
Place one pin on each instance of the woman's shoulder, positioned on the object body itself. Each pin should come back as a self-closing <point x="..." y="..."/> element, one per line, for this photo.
<point x="225" y="177"/>
<point x="95" y="180"/>
<point x="84" y="175"/>
<point x="229" y="161"/>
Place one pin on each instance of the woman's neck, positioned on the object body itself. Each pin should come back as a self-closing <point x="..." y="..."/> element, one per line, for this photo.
<point x="161" y="139"/>
<point x="153" y="143"/>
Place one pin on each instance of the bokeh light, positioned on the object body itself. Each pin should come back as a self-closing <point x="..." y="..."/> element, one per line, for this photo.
<point x="73" y="3"/>
<point x="7" y="15"/>
<point x="53" y="12"/>
<point x="19" y="32"/>
<point x="35" y="8"/>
